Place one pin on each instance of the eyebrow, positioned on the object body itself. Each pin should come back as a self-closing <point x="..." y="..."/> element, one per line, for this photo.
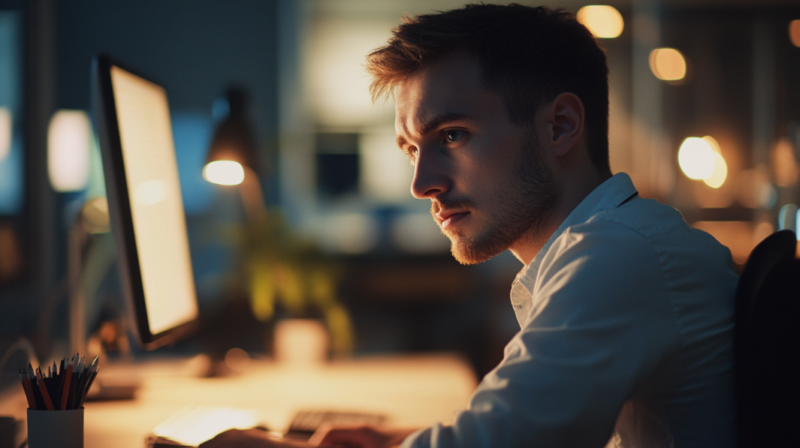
<point x="434" y="123"/>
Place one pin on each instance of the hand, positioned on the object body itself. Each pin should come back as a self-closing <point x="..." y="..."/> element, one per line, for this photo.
<point x="249" y="438"/>
<point x="361" y="436"/>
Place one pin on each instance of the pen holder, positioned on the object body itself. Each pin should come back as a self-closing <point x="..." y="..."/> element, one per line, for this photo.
<point x="55" y="429"/>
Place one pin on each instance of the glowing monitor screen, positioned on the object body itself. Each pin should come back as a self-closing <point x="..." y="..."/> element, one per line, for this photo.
<point x="145" y="201"/>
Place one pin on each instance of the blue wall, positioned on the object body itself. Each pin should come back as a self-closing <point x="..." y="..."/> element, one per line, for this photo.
<point x="195" y="48"/>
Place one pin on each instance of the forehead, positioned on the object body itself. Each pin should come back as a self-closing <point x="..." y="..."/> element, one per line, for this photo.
<point x="452" y="85"/>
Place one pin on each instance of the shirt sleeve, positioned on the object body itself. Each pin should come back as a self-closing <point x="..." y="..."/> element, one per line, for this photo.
<point x="601" y="326"/>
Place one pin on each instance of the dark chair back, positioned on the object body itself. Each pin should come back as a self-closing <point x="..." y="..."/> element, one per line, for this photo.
<point x="767" y="345"/>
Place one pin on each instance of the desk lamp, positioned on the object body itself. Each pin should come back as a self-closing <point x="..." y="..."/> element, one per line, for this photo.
<point x="231" y="161"/>
<point x="232" y="156"/>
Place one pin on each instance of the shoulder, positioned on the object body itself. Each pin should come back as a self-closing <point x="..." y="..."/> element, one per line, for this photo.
<point x="641" y="258"/>
<point x="605" y="242"/>
<point x="601" y="268"/>
<point x="645" y="228"/>
<point x="621" y="260"/>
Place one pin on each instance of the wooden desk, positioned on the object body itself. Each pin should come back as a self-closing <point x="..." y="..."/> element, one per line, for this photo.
<point x="412" y="391"/>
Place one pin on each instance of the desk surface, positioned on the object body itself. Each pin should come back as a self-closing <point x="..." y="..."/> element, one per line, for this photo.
<point x="412" y="391"/>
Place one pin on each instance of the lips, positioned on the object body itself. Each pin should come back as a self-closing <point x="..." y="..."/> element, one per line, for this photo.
<point x="447" y="218"/>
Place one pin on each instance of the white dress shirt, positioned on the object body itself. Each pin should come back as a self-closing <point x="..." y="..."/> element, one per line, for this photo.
<point x="626" y="339"/>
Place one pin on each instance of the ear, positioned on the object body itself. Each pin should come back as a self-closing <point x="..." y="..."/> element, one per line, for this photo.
<point x="565" y="118"/>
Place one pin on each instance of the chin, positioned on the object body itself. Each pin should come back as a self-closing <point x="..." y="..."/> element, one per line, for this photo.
<point x="468" y="252"/>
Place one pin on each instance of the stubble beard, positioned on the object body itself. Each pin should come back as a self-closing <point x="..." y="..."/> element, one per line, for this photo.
<point x="533" y="195"/>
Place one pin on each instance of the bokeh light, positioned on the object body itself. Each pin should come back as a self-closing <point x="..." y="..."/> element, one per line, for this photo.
<point x="712" y="142"/>
<point x="794" y="32"/>
<point x="68" y="144"/>
<point x="5" y="132"/>
<point x="720" y="172"/>
<point x="784" y="164"/>
<point x="696" y="158"/>
<point x="224" y="172"/>
<point x="602" y="20"/>
<point x="668" y="64"/>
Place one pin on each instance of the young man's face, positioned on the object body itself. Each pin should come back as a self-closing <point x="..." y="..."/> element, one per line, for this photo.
<point x="488" y="184"/>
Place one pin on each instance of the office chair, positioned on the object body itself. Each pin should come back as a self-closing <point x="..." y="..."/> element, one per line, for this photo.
<point x="767" y="345"/>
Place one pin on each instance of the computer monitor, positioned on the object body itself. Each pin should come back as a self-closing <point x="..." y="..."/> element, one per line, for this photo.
<point x="144" y="201"/>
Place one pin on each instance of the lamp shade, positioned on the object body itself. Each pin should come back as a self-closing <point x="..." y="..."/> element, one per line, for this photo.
<point x="234" y="138"/>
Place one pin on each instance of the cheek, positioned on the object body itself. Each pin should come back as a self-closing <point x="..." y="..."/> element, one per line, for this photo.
<point x="493" y="162"/>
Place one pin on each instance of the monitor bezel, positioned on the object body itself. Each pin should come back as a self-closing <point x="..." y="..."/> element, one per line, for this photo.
<point x="119" y="206"/>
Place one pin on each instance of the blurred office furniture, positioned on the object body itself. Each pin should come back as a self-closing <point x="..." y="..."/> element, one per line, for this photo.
<point x="412" y="391"/>
<point x="767" y="341"/>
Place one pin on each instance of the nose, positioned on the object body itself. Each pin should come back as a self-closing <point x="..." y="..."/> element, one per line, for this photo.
<point x="430" y="176"/>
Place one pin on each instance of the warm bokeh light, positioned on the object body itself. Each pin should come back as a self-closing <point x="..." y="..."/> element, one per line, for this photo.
<point x="5" y="132"/>
<point x="713" y="143"/>
<point x="668" y="64"/>
<point x="794" y="32"/>
<point x="719" y="174"/>
<point x="602" y="20"/>
<point x="224" y="172"/>
<point x="696" y="158"/>
<point x="68" y="143"/>
<point x="784" y="163"/>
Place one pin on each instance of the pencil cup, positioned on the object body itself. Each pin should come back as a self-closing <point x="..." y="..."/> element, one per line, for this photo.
<point x="55" y="429"/>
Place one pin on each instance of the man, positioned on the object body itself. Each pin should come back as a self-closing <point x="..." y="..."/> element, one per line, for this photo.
<point x="625" y="311"/>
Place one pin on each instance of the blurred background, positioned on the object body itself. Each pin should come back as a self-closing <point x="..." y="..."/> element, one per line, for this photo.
<point x="705" y="116"/>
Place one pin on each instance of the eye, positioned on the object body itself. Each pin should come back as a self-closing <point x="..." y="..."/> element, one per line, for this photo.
<point x="453" y="135"/>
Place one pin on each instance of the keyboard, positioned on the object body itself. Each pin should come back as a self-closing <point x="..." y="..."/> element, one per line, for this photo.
<point x="305" y="422"/>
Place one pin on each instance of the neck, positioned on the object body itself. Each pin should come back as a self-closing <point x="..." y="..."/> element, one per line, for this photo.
<point x="575" y="187"/>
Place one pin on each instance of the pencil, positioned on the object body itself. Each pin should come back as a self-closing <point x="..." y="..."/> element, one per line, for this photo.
<point x="73" y="390"/>
<point x="28" y="393"/>
<point x="29" y="386"/>
<point x="83" y="388"/>
<point x="43" y="389"/>
<point x="65" y="387"/>
<point x="89" y="386"/>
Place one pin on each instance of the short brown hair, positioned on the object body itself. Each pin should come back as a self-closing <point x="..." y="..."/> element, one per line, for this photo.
<point x="528" y="55"/>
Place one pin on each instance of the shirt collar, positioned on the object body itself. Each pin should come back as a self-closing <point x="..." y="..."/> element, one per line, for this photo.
<point x="607" y="196"/>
